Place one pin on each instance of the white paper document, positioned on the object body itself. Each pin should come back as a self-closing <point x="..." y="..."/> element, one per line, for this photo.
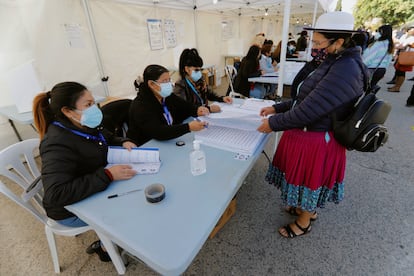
<point x="235" y="127"/>
<point x="143" y="160"/>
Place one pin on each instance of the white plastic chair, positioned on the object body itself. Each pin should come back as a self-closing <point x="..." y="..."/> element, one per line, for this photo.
<point x="231" y="73"/>
<point x="18" y="164"/>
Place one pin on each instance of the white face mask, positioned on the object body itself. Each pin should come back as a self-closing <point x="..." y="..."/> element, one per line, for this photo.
<point x="377" y="35"/>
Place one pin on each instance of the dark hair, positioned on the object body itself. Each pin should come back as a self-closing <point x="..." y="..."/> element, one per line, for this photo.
<point x="348" y="42"/>
<point x="189" y="57"/>
<point x="48" y="106"/>
<point x="266" y="48"/>
<point x="268" y="42"/>
<point x="152" y="72"/>
<point x="386" y="34"/>
<point x="303" y="33"/>
<point x="253" y="52"/>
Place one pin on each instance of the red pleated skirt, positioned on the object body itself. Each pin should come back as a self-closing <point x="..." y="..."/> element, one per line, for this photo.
<point x="310" y="159"/>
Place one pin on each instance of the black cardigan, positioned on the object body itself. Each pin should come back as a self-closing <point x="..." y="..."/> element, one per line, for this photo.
<point x="147" y="121"/>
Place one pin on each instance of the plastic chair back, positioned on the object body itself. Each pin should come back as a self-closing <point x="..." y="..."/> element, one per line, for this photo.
<point x="231" y="73"/>
<point x="18" y="166"/>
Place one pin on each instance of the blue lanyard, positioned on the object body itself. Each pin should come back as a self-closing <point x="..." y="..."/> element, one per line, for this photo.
<point x="167" y="113"/>
<point x="100" y="138"/>
<point x="195" y="91"/>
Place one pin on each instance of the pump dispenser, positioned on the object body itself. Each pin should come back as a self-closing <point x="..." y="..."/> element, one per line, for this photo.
<point x="197" y="159"/>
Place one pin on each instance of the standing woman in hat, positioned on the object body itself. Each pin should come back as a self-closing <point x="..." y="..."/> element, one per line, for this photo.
<point x="309" y="164"/>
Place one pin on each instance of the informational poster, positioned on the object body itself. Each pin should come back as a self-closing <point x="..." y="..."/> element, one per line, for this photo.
<point x="155" y="34"/>
<point x="226" y="29"/>
<point x="74" y="35"/>
<point x="170" y="33"/>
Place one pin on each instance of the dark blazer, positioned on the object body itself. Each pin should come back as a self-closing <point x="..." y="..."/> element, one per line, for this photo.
<point x="333" y="86"/>
<point x="72" y="167"/>
<point x="248" y="69"/>
<point x="147" y="121"/>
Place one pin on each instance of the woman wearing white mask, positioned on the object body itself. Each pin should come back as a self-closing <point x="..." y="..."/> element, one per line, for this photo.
<point x="157" y="113"/>
<point x="73" y="151"/>
<point x="192" y="87"/>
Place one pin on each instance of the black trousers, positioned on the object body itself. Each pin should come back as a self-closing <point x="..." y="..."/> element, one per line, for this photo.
<point x="376" y="75"/>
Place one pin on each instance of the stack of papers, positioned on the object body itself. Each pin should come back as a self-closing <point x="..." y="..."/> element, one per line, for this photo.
<point x="235" y="127"/>
<point x="143" y="160"/>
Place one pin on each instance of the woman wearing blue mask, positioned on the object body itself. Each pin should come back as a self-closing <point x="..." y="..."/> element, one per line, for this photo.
<point x="192" y="87"/>
<point x="157" y="113"/>
<point x="73" y="150"/>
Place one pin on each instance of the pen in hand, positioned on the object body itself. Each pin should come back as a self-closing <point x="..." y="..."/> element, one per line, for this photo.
<point x="125" y="193"/>
<point x="198" y="120"/>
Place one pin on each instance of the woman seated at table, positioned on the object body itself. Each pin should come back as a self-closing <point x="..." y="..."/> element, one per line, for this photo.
<point x="156" y="113"/>
<point x="267" y="65"/>
<point x="249" y="68"/>
<point x="73" y="150"/>
<point x="192" y="87"/>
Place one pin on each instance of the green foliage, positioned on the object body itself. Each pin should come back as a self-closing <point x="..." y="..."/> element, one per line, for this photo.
<point x="339" y="5"/>
<point x="393" y="12"/>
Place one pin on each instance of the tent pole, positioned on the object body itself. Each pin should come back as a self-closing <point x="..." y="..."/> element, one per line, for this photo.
<point x="104" y="78"/>
<point x="195" y="23"/>
<point x="285" y="31"/>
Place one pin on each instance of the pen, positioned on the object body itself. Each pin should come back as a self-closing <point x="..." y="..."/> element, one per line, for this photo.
<point x="125" y="193"/>
<point x="198" y="120"/>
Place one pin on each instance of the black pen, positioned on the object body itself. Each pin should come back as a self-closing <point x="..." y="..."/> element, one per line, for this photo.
<point x="125" y="193"/>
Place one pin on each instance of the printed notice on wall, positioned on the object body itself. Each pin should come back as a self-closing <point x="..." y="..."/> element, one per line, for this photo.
<point x="74" y="35"/>
<point x="170" y="34"/>
<point x="226" y="29"/>
<point x="155" y="34"/>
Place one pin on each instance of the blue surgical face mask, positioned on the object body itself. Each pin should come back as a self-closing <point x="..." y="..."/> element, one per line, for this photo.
<point x="91" y="117"/>
<point x="166" y="89"/>
<point x="196" y="75"/>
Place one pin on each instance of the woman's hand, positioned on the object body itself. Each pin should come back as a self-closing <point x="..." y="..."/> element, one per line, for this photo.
<point x="269" y="110"/>
<point x="264" y="127"/>
<point x="128" y="145"/>
<point x="202" y="111"/>
<point x="215" y="108"/>
<point x="122" y="172"/>
<point x="197" y="125"/>
<point x="228" y="99"/>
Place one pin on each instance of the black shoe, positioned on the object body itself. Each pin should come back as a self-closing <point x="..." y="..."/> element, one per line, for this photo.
<point x="96" y="247"/>
<point x="391" y="82"/>
<point x="412" y="79"/>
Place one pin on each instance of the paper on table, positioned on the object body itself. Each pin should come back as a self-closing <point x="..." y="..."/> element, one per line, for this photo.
<point x="143" y="160"/>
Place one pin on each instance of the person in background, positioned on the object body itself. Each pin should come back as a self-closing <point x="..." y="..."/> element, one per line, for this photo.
<point x="361" y="39"/>
<point x="309" y="164"/>
<point x="259" y="39"/>
<point x="291" y="49"/>
<point x="267" y="66"/>
<point x="276" y="52"/>
<point x="157" y="113"/>
<point x="378" y="55"/>
<point x="73" y="150"/>
<point x="302" y="42"/>
<point x="192" y="87"/>
<point x="249" y="67"/>
<point x="405" y="43"/>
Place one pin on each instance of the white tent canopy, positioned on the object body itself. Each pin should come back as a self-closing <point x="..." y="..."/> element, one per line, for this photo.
<point x="64" y="38"/>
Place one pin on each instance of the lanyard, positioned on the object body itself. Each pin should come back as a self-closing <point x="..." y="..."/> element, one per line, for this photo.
<point x="100" y="138"/>
<point x="167" y="113"/>
<point x="195" y="91"/>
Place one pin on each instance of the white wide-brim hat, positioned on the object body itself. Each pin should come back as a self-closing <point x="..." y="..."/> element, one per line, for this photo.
<point x="334" y="22"/>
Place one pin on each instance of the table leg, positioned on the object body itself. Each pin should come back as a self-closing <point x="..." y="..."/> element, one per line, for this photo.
<point x="113" y="252"/>
<point x="15" y="130"/>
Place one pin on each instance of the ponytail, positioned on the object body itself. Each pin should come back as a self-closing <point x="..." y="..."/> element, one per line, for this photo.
<point x="42" y="114"/>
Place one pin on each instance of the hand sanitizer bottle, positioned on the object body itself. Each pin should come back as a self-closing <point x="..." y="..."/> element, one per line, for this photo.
<point x="197" y="159"/>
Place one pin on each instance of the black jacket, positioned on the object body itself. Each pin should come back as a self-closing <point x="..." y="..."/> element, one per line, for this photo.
<point x="72" y="167"/>
<point x="248" y="69"/>
<point x="147" y="121"/>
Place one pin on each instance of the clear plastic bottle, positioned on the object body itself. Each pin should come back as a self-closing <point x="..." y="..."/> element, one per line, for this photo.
<point x="197" y="159"/>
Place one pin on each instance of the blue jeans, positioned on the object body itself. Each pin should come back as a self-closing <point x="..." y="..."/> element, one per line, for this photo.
<point x="72" y="222"/>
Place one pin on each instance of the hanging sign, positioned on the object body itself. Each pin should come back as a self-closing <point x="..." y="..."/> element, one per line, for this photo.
<point x="155" y="34"/>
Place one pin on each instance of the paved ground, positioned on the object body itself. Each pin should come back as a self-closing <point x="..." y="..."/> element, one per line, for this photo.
<point x="370" y="233"/>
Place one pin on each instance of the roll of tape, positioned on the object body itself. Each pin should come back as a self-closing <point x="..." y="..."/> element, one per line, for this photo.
<point x="155" y="193"/>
